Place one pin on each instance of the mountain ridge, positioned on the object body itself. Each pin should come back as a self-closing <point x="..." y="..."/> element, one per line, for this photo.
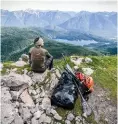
<point x="98" y="23"/>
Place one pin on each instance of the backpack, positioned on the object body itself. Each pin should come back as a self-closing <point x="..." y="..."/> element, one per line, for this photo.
<point x="65" y="93"/>
<point x="86" y="80"/>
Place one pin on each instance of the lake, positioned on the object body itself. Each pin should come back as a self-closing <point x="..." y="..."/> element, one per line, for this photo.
<point x="76" y="42"/>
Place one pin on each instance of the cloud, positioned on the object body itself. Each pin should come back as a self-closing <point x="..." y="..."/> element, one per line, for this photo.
<point x="65" y="5"/>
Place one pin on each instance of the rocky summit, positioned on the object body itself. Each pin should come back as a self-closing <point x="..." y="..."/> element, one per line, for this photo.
<point x="25" y="97"/>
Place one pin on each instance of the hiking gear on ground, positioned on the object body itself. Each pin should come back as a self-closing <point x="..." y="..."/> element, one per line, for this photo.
<point x="87" y="110"/>
<point x="65" y="93"/>
<point x="86" y="80"/>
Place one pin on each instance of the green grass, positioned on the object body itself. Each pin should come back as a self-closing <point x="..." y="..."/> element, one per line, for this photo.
<point x="105" y="74"/>
<point x="8" y="66"/>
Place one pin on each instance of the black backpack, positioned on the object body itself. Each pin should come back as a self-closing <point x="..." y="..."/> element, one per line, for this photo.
<point x="65" y="93"/>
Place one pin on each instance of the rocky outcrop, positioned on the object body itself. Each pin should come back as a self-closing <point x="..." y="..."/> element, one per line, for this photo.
<point x="76" y="60"/>
<point x="26" y="97"/>
<point x="88" y="71"/>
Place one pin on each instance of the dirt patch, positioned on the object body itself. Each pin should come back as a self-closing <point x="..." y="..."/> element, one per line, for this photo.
<point x="105" y="111"/>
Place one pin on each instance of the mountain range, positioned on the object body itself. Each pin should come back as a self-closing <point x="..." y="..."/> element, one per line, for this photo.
<point x="98" y="23"/>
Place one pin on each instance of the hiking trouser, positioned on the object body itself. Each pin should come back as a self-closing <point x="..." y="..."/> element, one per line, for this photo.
<point x="49" y="63"/>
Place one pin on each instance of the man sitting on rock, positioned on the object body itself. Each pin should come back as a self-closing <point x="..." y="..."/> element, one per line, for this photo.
<point x="39" y="58"/>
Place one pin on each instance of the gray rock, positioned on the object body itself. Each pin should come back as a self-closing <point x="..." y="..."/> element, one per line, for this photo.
<point x="38" y="90"/>
<point x="88" y="60"/>
<point x="76" y="60"/>
<point x="46" y="103"/>
<point x="34" y="121"/>
<point x="58" y="73"/>
<point x="36" y="96"/>
<point x="37" y="114"/>
<point x="17" y="104"/>
<point x="53" y="112"/>
<point x="14" y="79"/>
<point x="42" y="94"/>
<point x="70" y="117"/>
<point x="5" y="95"/>
<point x="33" y="110"/>
<point x="78" y="118"/>
<point x="39" y="78"/>
<point x="14" y="95"/>
<point x="7" y="107"/>
<point x="106" y="120"/>
<point x="48" y="111"/>
<point x="18" y="119"/>
<point x="58" y="117"/>
<point x="47" y="120"/>
<point x="37" y="107"/>
<point x="57" y="123"/>
<point x="87" y="71"/>
<point x="42" y="118"/>
<point x="33" y="92"/>
<point x="39" y="100"/>
<point x="25" y="112"/>
<point x="75" y="68"/>
<point x="67" y="122"/>
<point x="53" y="81"/>
<point x="19" y="63"/>
<point x="29" y="91"/>
<point x="26" y="98"/>
<point x="25" y="57"/>
<point x="77" y="122"/>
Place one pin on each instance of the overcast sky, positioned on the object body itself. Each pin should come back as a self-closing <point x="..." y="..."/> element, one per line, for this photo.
<point x="63" y="5"/>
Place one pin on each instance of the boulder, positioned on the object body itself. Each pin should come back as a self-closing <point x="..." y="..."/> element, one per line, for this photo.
<point x="88" y="60"/>
<point x="67" y="122"/>
<point x="26" y="98"/>
<point x="57" y="117"/>
<point x="87" y="71"/>
<point x="25" y="57"/>
<point x="34" y="121"/>
<point x="14" y="79"/>
<point x="53" y="112"/>
<point x="76" y="60"/>
<point x="53" y="82"/>
<point x="76" y="68"/>
<point x="46" y="103"/>
<point x="78" y="118"/>
<point x="58" y="73"/>
<point x="18" y="119"/>
<point x="48" y="120"/>
<point x="38" y="114"/>
<point x="42" y="118"/>
<point x="70" y="117"/>
<point x="19" y="63"/>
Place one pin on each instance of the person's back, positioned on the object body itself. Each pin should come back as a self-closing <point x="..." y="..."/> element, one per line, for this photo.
<point x="39" y="56"/>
